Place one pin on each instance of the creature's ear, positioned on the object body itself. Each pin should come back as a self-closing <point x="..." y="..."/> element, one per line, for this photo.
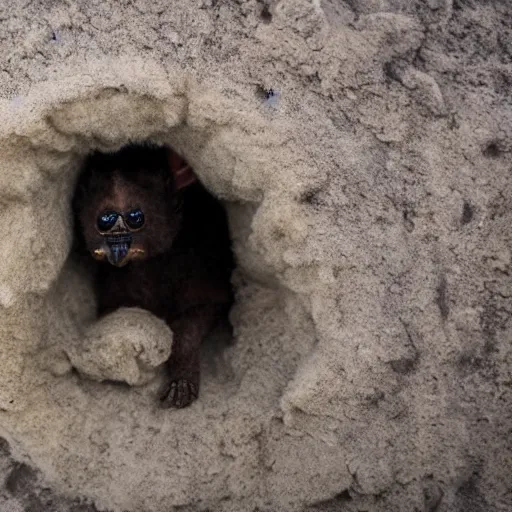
<point x="181" y="171"/>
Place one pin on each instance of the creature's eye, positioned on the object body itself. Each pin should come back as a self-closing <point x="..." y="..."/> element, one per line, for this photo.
<point x="107" y="220"/>
<point x="135" y="219"/>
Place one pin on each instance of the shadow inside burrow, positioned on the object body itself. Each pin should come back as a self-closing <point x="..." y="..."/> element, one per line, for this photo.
<point x="203" y="217"/>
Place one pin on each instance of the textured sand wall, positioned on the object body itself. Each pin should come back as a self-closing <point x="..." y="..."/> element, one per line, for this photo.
<point x="370" y="212"/>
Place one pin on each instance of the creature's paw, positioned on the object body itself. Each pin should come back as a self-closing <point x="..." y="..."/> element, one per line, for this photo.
<point x="180" y="393"/>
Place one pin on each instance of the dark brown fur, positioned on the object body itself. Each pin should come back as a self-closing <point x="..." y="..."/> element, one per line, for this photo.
<point x="184" y="276"/>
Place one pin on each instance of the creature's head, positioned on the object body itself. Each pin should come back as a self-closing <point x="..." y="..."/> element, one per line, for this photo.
<point x="128" y="204"/>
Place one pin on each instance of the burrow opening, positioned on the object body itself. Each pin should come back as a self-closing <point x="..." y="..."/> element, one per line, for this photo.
<point x="175" y="255"/>
<point x="239" y="159"/>
<point x="250" y="167"/>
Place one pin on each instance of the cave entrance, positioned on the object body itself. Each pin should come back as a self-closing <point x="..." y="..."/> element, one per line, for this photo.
<point x="151" y="236"/>
<point x="256" y="170"/>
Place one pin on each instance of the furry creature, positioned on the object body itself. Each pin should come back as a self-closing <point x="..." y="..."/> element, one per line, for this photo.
<point x="161" y="243"/>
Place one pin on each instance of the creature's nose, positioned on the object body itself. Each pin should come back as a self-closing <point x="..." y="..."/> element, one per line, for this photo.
<point x="119" y="226"/>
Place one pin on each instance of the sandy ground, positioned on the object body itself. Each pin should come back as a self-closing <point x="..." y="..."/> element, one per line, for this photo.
<point x="370" y="208"/>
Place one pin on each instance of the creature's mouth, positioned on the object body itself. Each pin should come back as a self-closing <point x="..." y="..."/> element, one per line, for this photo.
<point x="118" y="246"/>
<point x="118" y="250"/>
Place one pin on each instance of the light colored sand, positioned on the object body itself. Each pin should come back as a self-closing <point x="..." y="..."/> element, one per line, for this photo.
<point x="370" y="209"/>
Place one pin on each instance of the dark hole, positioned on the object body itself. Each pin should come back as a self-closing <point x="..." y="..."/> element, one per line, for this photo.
<point x="343" y="497"/>
<point x="263" y="93"/>
<point x="467" y="213"/>
<point x="442" y="298"/>
<point x="265" y="14"/>
<point x="468" y="496"/>
<point x="403" y="366"/>
<point x="391" y="71"/>
<point x="432" y="494"/>
<point x="179" y="262"/>
<point x="21" y="479"/>
<point x="5" y="449"/>
<point x="309" y="197"/>
<point x="408" y="215"/>
<point x="337" y="502"/>
<point x="492" y="150"/>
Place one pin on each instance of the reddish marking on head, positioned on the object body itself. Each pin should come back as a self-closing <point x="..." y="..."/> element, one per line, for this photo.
<point x="182" y="172"/>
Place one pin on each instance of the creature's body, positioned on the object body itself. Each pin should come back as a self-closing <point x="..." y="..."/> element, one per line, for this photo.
<point x="163" y="245"/>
